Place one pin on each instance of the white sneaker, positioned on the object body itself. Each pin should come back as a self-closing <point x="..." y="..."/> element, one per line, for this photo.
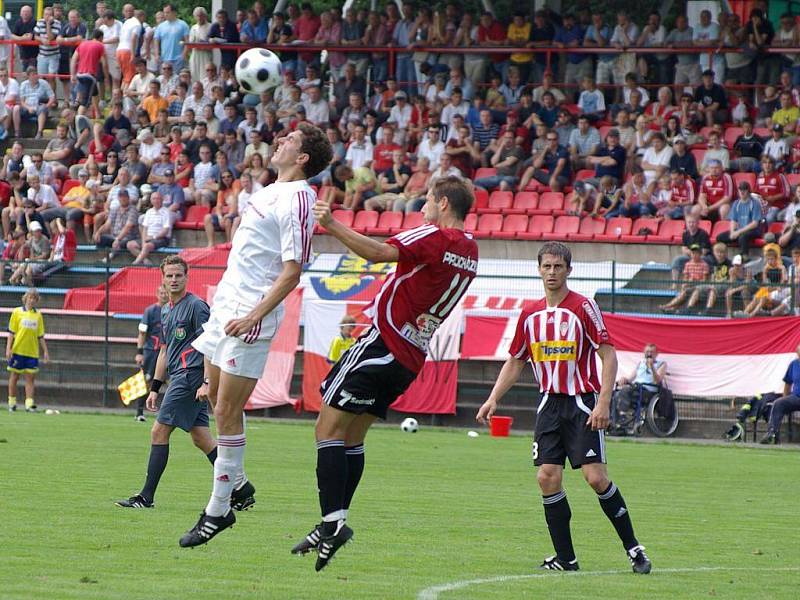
<point x="140" y="418"/>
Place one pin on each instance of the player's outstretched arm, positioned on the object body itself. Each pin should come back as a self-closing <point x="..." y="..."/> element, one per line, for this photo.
<point x="509" y="375"/>
<point x="367" y="248"/>
<point x="599" y="418"/>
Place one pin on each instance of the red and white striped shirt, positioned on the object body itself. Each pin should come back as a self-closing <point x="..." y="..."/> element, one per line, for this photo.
<point x="771" y="185"/>
<point x="561" y="343"/>
<point x="683" y="194"/>
<point x="716" y="188"/>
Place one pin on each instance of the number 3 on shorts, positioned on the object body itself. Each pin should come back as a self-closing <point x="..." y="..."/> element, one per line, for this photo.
<point x="535" y="450"/>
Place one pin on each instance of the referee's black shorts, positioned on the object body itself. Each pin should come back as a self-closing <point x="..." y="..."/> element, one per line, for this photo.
<point x="367" y="378"/>
<point x="561" y="432"/>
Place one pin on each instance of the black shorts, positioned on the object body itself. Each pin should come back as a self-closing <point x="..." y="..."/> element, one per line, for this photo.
<point x="367" y="378"/>
<point x="561" y="432"/>
<point x="180" y="407"/>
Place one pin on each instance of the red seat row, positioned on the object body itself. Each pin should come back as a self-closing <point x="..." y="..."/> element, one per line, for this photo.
<point x="509" y="203"/>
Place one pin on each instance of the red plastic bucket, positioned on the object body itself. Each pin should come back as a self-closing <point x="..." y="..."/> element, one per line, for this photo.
<point x="500" y="426"/>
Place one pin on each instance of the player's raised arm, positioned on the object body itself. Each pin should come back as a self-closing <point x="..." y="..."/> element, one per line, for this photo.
<point x="367" y="248"/>
<point x="509" y="375"/>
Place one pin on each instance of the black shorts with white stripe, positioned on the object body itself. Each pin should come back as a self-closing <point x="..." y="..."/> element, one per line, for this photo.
<point x="561" y="432"/>
<point x="367" y="378"/>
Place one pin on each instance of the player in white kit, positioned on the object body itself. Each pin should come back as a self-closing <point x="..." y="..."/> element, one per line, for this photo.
<point x="266" y="259"/>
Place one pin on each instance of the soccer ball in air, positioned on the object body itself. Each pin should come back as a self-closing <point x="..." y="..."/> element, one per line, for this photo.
<point x="409" y="425"/>
<point x="258" y="70"/>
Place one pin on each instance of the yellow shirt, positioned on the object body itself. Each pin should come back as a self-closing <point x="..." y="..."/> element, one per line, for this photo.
<point x="76" y="197"/>
<point x="786" y="116"/>
<point x="27" y="327"/>
<point x="519" y="37"/>
<point x="339" y="346"/>
<point x="152" y="105"/>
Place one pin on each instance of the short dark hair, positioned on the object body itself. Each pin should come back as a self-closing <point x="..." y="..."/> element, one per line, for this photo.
<point x="458" y="193"/>
<point x="555" y="249"/>
<point x="316" y="145"/>
<point x="174" y="259"/>
<point x="98" y="34"/>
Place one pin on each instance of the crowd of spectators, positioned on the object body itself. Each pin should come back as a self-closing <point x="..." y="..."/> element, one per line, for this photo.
<point x="148" y="127"/>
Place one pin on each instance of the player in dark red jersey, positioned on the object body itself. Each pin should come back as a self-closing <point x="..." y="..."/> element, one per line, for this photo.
<point x="561" y="335"/>
<point x="436" y="263"/>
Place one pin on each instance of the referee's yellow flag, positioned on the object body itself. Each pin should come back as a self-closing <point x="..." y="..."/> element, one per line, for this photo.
<point x="132" y="388"/>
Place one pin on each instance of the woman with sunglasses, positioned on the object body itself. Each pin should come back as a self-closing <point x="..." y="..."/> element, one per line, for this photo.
<point x="226" y="209"/>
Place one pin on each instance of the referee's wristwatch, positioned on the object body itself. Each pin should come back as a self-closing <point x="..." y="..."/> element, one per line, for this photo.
<point x="205" y="380"/>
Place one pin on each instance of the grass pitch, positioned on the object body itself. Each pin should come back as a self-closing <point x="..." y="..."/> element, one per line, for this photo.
<point x="435" y="509"/>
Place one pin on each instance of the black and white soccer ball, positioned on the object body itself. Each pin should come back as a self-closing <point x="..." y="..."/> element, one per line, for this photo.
<point x="409" y="425"/>
<point x="258" y="70"/>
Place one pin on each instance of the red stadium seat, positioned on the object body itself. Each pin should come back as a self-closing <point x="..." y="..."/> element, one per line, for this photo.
<point x="538" y="225"/>
<point x="763" y="132"/>
<point x="388" y="223"/>
<point x="615" y="227"/>
<point x="345" y="217"/>
<point x="584" y="174"/>
<point x="638" y="225"/>
<point x="322" y="194"/>
<point x="471" y="222"/>
<point x="481" y="199"/>
<point x="603" y="131"/>
<point x="482" y="172"/>
<point x="524" y="203"/>
<point x="512" y="225"/>
<point x="705" y="225"/>
<point x="793" y="179"/>
<point x="498" y="202"/>
<point x="194" y="218"/>
<point x="698" y="156"/>
<point x="776" y="228"/>
<point x="488" y="225"/>
<point x="731" y="133"/>
<point x="365" y="220"/>
<point x="550" y="202"/>
<point x="589" y="228"/>
<point x="670" y="232"/>
<point x="748" y="177"/>
<point x="573" y="109"/>
<point x="704" y="131"/>
<point x="564" y="226"/>
<point x="719" y="227"/>
<point x="412" y="220"/>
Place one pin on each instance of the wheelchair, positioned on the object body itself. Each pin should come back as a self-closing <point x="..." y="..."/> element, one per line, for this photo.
<point x="645" y="406"/>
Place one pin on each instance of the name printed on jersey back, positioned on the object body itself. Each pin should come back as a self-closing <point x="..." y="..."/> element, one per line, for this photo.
<point x="465" y="263"/>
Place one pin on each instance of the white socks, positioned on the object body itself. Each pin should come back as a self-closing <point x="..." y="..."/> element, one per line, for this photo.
<point x="227" y="468"/>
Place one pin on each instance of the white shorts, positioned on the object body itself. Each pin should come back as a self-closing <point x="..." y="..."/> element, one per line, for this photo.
<point x="231" y="354"/>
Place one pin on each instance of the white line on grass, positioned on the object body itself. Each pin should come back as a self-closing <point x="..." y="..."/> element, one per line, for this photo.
<point x="432" y="593"/>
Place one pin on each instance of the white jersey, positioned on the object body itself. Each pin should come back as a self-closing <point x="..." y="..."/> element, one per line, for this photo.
<point x="130" y="28"/>
<point x="276" y="227"/>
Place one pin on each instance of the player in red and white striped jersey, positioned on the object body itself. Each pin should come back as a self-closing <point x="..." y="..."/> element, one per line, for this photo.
<point x="562" y="335"/>
<point x="716" y="191"/>
<point x="269" y="250"/>
<point x="435" y="265"/>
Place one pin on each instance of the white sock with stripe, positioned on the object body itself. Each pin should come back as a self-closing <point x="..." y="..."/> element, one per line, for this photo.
<point x="228" y="465"/>
<point x="241" y="477"/>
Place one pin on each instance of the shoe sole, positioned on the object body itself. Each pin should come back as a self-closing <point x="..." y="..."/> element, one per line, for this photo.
<point x="297" y="551"/>
<point x="644" y="572"/>
<point x="123" y="506"/>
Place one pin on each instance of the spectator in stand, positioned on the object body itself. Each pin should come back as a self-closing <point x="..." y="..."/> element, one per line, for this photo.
<point x="632" y="87"/>
<point x="609" y="159"/>
<point x="353" y="31"/>
<point x="137" y="90"/>
<point x="682" y="159"/>
<point x="716" y="191"/>
<point x="355" y="113"/>
<point x="711" y="100"/>
<point x="172" y="196"/>
<point x="376" y="35"/>
<point x="317" y="109"/>
<point x="40" y="169"/>
<point x="774" y="278"/>
<point x="128" y="42"/>
<point x="456" y="106"/>
<point x="154" y="102"/>
<point x="120" y="227"/>
<point x="254" y="29"/>
<point x="760" y="33"/>
<point x="767" y="106"/>
<point x="637" y="196"/>
<point x="707" y="35"/>
<point x="659" y="111"/>
<point x="170" y="37"/>
<point x="682" y="195"/>
<point x="542" y="33"/>
<point x="382" y="154"/>
<point x="576" y="66"/>
<point x="745" y="217"/>
<point x="62" y="251"/>
<point x="777" y="146"/>
<point x="584" y="143"/>
<point x="787" y="115"/>
<point x="349" y="83"/>
<point x="59" y="151"/>
<point x="548" y="112"/>
<point x="790" y="296"/>
<point x="518" y="34"/>
<point x="492" y="33"/>
<point x="505" y="160"/>
<point x="773" y="188"/>
<point x="653" y="36"/>
<point x="23" y="31"/>
<point x="656" y="158"/>
<point x="360" y="185"/>
<point x="563" y="127"/>
<point x="624" y="36"/>
<point x="748" y="149"/>
<point x="458" y="81"/>
<point x="224" y="31"/>
<point x="432" y="147"/>
<point x="591" y="101"/>
<point x="36" y="98"/>
<point x="547" y="86"/>
<point x="463" y="151"/>
<point x="598" y="35"/>
<point x="486" y="131"/>
<point x="695" y="271"/>
<point x="330" y="34"/>
<point x="687" y="67"/>
<point x="392" y="182"/>
<point x="46" y="31"/>
<point x="739" y="283"/>
<point x="401" y="38"/>
<point x="550" y="168"/>
<point x="201" y="188"/>
<point x="360" y="151"/>
<point x="720" y="265"/>
<point x="38" y="249"/>
<point x="716" y="152"/>
<point x="513" y="88"/>
<point x="225" y="211"/>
